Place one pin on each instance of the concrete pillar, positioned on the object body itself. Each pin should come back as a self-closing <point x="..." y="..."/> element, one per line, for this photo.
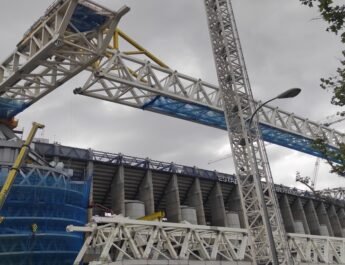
<point x="194" y="199"/>
<point x="323" y="218"/>
<point x="89" y="177"/>
<point x="218" y="215"/>
<point x="56" y="158"/>
<point x="172" y="198"/>
<point x="313" y="220"/>
<point x="285" y="209"/>
<point x="335" y="222"/>
<point x="146" y="193"/>
<point x="234" y="204"/>
<point x="299" y="214"/>
<point x="341" y="215"/>
<point x="118" y="191"/>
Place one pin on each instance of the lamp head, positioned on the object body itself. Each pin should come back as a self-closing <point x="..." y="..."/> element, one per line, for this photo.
<point x="290" y="93"/>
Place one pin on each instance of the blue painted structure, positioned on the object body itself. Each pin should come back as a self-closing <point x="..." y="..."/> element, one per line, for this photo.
<point x="85" y="19"/>
<point x="209" y="117"/>
<point x="50" y="200"/>
<point x="11" y="107"/>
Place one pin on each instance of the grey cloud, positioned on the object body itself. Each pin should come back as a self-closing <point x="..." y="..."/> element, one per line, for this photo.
<point x="283" y="47"/>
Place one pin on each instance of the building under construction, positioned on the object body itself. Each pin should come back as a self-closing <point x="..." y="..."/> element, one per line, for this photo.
<point x="66" y="205"/>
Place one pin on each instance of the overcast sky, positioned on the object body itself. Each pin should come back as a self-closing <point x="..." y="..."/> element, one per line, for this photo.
<point x="284" y="45"/>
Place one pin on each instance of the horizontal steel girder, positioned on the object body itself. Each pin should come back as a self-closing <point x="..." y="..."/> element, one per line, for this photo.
<point x="173" y="241"/>
<point x="138" y="83"/>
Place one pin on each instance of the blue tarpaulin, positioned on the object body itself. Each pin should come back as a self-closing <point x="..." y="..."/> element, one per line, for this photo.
<point x="204" y="115"/>
<point x="85" y="19"/>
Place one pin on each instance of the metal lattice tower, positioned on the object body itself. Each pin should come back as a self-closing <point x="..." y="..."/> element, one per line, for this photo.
<point x="262" y="215"/>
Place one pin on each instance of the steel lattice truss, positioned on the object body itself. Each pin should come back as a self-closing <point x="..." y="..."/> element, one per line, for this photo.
<point x="74" y="35"/>
<point x="139" y="83"/>
<point x="337" y="194"/>
<point x="259" y="202"/>
<point x="316" y="249"/>
<point x="117" y="238"/>
<point x="71" y="36"/>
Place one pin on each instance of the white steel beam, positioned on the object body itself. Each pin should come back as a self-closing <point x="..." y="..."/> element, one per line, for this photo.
<point x="317" y="249"/>
<point x="134" y="82"/>
<point x="118" y="238"/>
<point x="267" y="238"/>
<point x="57" y="47"/>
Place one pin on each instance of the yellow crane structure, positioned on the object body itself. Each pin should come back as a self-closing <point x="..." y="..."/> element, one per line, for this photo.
<point x="153" y="217"/>
<point x="5" y="190"/>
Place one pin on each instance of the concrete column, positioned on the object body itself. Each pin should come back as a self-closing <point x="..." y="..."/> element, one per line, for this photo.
<point x="341" y="215"/>
<point x="172" y="198"/>
<point x="299" y="214"/>
<point x="323" y="218"/>
<point x="118" y="191"/>
<point x="335" y="222"/>
<point x="56" y="158"/>
<point x="89" y="177"/>
<point x="194" y="199"/>
<point x="146" y="193"/>
<point x="285" y="209"/>
<point x="218" y="215"/>
<point x="313" y="220"/>
<point x="234" y="204"/>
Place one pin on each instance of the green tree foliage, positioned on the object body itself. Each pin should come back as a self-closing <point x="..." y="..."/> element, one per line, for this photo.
<point x="331" y="156"/>
<point x="334" y="15"/>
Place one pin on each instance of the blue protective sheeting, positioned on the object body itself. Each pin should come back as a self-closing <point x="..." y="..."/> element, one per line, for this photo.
<point x="51" y="202"/>
<point x="187" y="111"/>
<point x="85" y="19"/>
<point x="10" y="108"/>
<point x="207" y="116"/>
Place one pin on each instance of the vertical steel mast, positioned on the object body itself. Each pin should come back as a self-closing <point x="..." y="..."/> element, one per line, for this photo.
<point x="261" y="213"/>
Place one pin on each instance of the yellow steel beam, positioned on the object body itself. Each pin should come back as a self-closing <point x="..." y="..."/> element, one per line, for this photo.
<point x="18" y="163"/>
<point x="120" y="33"/>
<point x="116" y="40"/>
<point x="134" y="52"/>
<point x="154" y="216"/>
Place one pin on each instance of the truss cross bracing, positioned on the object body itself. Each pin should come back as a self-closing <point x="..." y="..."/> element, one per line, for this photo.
<point x="139" y="83"/>
<point x="74" y="35"/>
<point x="70" y="37"/>
<point x="259" y="202"/>
<point x="117" y="239"/>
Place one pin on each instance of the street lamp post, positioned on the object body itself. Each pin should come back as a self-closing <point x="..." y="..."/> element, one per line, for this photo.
<point x="290" y="93"/>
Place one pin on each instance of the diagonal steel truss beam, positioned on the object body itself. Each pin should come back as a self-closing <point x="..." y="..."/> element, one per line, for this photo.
<point x="116" y="238"/>
<point x="71" y="36"/>
<point x="317" y="249"/>
<point x="131" y="81"/>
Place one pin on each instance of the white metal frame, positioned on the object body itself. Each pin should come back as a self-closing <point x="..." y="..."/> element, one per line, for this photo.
<point x="53" y="51"/>
<point x="337" y="194"/>
<point x="117" y="238"/>
<point x="259" y="202"/>
<point x="317" y="249"/>
<point x="134" y="82"/>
